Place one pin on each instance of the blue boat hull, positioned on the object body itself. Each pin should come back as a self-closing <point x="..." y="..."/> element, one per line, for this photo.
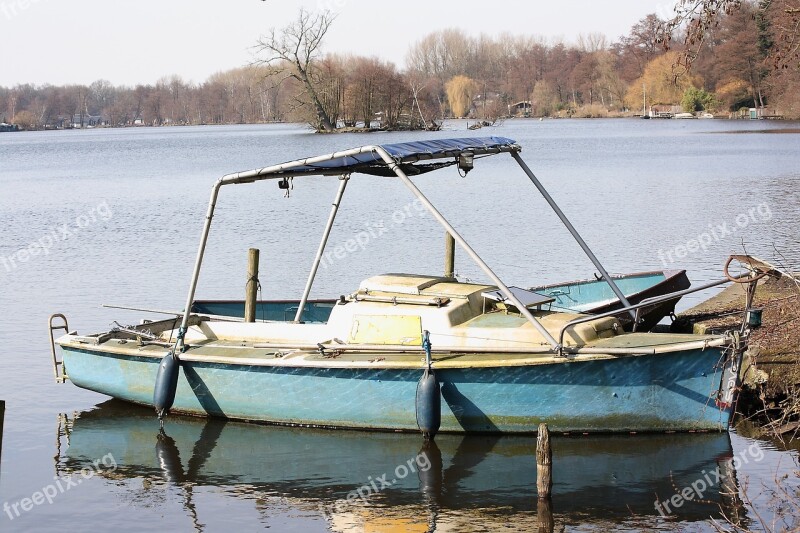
<point x="595" y="296"/>
<point x="671" y="391"/>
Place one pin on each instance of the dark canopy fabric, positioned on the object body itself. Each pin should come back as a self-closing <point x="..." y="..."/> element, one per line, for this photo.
<point x="414" y="151"/>
<point x="406" y="154"/>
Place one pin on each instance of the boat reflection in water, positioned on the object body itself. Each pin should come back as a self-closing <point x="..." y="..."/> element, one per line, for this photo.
<point x="382" y="481"/>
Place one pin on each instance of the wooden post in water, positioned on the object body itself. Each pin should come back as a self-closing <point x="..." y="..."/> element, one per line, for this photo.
<point x="449" y="256"/>
<point x="544" y="462"/>
<point x="251" y="290"/>
<point x="544" y="479"/>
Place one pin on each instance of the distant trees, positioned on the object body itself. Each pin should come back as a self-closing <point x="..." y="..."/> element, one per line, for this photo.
<point x="743" y="54"/>
<point x="292" y="53"/>
<point x="779" y="21"/>
<point x="340" y="90"/>
<point x="242" y="95"/>
<point x="755" y="42"/>
<point x="25" y="120"/>
<point x="544" y="99"/>
<point x="740" y="53"/>
<point x="460" y="91"/>
<point x="443" y="54"/>
<point x="783" y="16"/>
<point x="664" y="85"/>
<point x="640" y="46"/>
<point x="374" y="92"/>
<point x="695" y="99"/>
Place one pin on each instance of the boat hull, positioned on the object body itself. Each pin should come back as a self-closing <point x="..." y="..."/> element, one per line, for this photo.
<point x="673" y="391"/>
<point x="594" y="296"/>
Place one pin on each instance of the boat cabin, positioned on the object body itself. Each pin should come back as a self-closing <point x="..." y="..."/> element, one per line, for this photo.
<point x="394" y="309"/>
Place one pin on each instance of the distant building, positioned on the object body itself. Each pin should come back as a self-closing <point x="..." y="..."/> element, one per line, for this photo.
<point x="88" y="121"/>
<point x="664" y="111"/>
<point x="757" y="113"/>
<point x="522" y="108"/>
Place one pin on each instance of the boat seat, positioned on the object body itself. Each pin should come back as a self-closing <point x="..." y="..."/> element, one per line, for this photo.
<point x="591" y="305"/>
<point x="394" y="298"/>
<point x="400" y="283"/>
<point x="526" y="297"/>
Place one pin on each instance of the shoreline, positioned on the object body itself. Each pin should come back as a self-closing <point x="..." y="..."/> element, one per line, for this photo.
<point x="357" y="129"/>
<point x="770" y="373"/>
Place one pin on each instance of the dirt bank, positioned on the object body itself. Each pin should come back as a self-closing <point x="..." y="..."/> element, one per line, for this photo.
<point x="771" y="369"/>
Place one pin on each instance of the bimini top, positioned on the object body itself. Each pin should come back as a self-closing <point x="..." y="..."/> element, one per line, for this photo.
<point x="369" y="160"/>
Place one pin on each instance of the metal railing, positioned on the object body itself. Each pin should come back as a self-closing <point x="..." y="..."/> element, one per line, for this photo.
<point x="636" y="307"/>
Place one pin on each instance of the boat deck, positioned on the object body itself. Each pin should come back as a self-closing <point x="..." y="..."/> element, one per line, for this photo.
<point x="353" y="356"/>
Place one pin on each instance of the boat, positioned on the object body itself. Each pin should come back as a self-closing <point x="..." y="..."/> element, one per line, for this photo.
<point x="414" y="352"/>
<point x="599" y="477"/>
<point x="683" y="115"/>
<point x="595" y="296"/>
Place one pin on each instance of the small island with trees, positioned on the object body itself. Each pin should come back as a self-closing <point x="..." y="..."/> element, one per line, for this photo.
<point x="734" y="59"/>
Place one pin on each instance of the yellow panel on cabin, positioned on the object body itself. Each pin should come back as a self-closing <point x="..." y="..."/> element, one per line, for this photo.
<point x="386" y="329"/>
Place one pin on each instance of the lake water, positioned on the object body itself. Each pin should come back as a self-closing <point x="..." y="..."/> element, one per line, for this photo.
<point x="120" y="213"/>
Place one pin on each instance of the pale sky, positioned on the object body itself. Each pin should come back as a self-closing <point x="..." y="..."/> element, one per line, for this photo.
<point x="129" y="42"/>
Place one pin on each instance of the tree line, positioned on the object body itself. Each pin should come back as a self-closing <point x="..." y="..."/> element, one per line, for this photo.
<point x="740" y="56"/>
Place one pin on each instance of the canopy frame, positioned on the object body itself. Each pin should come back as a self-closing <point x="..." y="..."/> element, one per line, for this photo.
<point x="399" y="159"/>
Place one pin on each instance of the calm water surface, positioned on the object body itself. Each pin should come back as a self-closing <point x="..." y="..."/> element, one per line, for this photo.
<point x="120" y="212"/>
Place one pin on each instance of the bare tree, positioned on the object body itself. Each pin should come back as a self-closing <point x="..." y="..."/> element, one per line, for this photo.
<point x="696" y="18"/>
<point x="592" y="42"/>
<point x="784" y="18"/>
<point x="640" y="47"/>
<point x="699" y="17"/>
<point x="291" y="53"/>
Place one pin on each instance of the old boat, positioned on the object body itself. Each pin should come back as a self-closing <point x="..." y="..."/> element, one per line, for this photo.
<point x="493" y="361"/>
<point x="595" y="296"/>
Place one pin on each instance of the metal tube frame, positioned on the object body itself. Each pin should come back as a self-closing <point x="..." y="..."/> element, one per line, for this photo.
<point x="285" y="170"/>
<point x="573" y="231"/>
<point x="187" y="310"/>
<point x="241" y="177"/>
<point x="328" y="226"/>
<point x="643" y="303"/>
<point x="390" y="162"/>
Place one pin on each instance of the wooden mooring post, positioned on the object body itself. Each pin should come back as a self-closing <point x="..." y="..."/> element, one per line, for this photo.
<point x="449" y="256"/>
<point x="251" y="289"/>
<point x="544" y="479"/>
